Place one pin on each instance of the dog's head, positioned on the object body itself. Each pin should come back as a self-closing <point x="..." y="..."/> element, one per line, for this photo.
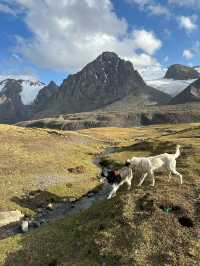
<point x="132" y="163"/>
<point x="110" y="176"/>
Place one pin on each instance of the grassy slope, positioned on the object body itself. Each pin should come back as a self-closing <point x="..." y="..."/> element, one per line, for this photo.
<point x="131" y="229"/>
<point x="32" y="159"/>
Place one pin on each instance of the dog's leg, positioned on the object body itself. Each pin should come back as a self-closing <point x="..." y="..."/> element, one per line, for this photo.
<point x="178" y="174"/>
<point x="113" y="191"/>
<point x="170" y="176"/>
<point x="129" y="180"/>
<point x="175" y="172"/>
<point x="153" y="178"/>
<point x="142" y="179"/>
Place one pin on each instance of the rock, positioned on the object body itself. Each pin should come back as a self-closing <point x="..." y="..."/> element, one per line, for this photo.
<point x="181" y="72"/>
<point x="190" y="94"/>
<point x="192" y="252"/>
<point x="50" y="206"/>
<point x="8" y="217"/>
<point x="106" y="80"/>
<point x="77" y="170"/>
<point x="72" y="199"/>
<point x="35" y="224"/>
<point x="90" y="194"/>
<point x="39" y="210"/>
<point x="25" y="226"/>
<point x="44" y="221"/>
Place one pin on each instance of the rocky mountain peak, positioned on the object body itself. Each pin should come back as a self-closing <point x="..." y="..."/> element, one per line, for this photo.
<point x="181" y="72"/>
<point x="102" y="82"/>
<point x="190" y="94"/>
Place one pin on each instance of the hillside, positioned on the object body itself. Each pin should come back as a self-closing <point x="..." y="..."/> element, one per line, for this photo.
<point x="190" y="94"/>
<point x="106" y="80"/>
<point x="120" y="115"/>
<point x="146" y="226"/>
<point x="181" y="72"/>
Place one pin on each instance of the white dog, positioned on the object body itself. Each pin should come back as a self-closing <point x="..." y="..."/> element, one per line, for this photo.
<point x="148" y="165"/>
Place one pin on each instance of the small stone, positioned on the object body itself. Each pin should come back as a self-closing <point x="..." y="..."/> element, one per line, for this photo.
<point x="72" y="199"/>
<point x="64" y="200"/>
<point x="90" y="194"/>
<point x="50" y="206"/>
<point x="36" y="224"/>
<point x="24" y="226"/>
<point x="44" y="221"/>
<point x="191" y="252"/>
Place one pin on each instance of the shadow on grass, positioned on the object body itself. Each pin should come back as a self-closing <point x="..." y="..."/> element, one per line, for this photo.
<point x="36" y="199"/>
<point x="79" y="240"/>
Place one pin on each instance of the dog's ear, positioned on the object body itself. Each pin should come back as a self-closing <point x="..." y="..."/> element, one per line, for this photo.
<point x="127" y="163"/>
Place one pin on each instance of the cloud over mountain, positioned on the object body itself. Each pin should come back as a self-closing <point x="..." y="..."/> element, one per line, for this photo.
<point x="66" y="35"/>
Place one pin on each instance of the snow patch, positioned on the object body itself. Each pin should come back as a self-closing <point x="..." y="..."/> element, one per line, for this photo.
<point x="2" y="85"/>
<point x="197" y="69"/>
<point x="18" y="77"/>
<point x="30" y="91"/>
<point x="170" y="86"/>
<point x="30" y="86"/>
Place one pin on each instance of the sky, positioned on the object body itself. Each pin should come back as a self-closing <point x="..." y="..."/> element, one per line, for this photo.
<point x="50" y="39"/>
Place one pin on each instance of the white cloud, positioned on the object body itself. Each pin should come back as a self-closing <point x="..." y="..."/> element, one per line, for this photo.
<point x="146" y="41"/>
<point x="70" y="34"/>
<point x="159" y="10"/>
<point x="188" y="3"/>
<point x="188" y="54"/>
<point x="6" y="9"/>
<point x="151" y="7"/>
<point x="140" y="3"/>
<point x="187" y="23"/>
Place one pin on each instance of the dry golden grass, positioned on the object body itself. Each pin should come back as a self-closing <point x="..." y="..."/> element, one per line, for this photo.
<point x="32" y="159"/>
<point x="134" y="228"/>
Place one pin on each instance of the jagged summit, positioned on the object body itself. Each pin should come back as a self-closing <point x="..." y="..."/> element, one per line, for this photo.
<point x="102" y="82"/>
<point x="181" y="72"/>
<point x="190" y="94"/>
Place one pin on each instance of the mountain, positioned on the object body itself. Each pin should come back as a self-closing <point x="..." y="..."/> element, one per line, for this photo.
<point x="190" y="94"/>
<point x="106" y="80"/>
<point x="181" y="72"/>
<point x="44" y="95"/>
<point x="170" y="86"/>
<point x="16" y="97"/>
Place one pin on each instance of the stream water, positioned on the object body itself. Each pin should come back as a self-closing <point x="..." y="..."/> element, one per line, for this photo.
<point x="63" y="209"/>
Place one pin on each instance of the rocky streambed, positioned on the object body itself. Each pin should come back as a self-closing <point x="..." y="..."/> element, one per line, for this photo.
<point x="56" y="211"/>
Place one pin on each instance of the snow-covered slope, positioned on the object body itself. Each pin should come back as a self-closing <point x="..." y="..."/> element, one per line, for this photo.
<point x="197" y="68"/>
<point x="30" y="91"/>
<point x="30" y="87"/>
<point x="170" y="86"/>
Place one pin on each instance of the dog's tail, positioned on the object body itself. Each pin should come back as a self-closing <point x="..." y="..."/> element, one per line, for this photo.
<point x="178" y="152"/>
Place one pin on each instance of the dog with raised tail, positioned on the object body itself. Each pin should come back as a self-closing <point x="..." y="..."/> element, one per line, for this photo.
<point x="148" y="165"/>
<point x="116" y="178"/>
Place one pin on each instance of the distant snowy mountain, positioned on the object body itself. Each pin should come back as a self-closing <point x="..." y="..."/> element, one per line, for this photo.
<point x="197" y="68"/>
<point x="30" y="86"/>
<point x="155" y="79"/>
<point x="170" y="86"/>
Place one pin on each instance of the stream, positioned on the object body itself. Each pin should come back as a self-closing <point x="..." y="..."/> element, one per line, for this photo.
<point x="63" y="209"/>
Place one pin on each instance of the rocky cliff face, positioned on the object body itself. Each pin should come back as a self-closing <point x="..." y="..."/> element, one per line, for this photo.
<point x="16" y="97"/>
<point x="190" y="94"/>
<point x="44" y="95"/>
<point x="102" y="82"/>
<point x="11" y="107"/>
<point x="181" y="72"/>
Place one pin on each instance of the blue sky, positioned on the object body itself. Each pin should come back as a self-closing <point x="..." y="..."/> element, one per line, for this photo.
<point x="51" y="40"/>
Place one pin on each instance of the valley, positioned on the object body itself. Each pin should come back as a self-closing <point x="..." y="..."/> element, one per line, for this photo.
<point x="110" y="232"/>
